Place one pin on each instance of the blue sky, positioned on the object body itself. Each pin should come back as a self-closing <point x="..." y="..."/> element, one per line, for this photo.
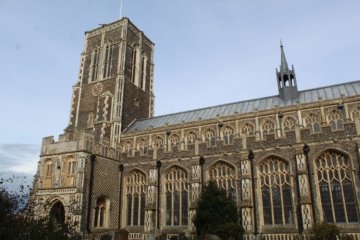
<point x="207" y="52"/>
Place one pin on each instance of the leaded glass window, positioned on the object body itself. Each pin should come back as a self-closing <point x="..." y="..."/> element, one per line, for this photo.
<point x="224" y="176"/>
<point x="210" y="137"/>
<point x="248" y="129"/>
<point x="312" y="121"/>
<point x="228" y="135"/>
<point x="176" y="197"/>
<point x="135" y="197"/>
<point x="335" y="120"/>
<point x="336" y="188"/>
<point x="275" y="192"/>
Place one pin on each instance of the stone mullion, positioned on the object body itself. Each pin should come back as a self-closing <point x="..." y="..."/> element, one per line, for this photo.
<point x="304" y="200"/>
<point x="247" y="202"/>
<point x="150" y="202"/>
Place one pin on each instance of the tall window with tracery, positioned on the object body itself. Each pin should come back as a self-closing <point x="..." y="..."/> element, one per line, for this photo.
<point x="275" y="192"/>
<point x="191" y="137"/>
<point x="48" y="168"/>
<point x="143" y="73"/>
<point x="143" y="147"/>
<point x="336" y="188"/>
<point x="289" y="124"/>
<point x="267" y="127"/>
<point x="108" y="60"/>
<point x="224" y="176"/>
<point x="248" y="129"/>
<point x="335" y="120"/>
<point x="94" y="65"/>
<point x="134" y="64"/>
<point x="228" y="135"/>
<point x="210" y="137"/>
<point x="176" y="197"/>
<point x="135" y="198"/>
<point x="101" y="212"/>
<point x="312" y="121"/>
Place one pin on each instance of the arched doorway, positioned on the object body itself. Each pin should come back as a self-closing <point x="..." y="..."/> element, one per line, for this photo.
<point x="57" y="213"/>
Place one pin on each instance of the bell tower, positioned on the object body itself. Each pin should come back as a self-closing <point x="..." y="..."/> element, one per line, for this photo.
<point x="115" y="84"/>
<point x="286" y="78"/>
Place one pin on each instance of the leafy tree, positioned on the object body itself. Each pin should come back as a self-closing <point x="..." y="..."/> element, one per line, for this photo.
<point x="325" y="231"/>
<point x="17" y="223"/>
<point x="216" y="213"/>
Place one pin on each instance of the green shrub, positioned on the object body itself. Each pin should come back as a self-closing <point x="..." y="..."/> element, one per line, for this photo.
<point x="325" y="231"/>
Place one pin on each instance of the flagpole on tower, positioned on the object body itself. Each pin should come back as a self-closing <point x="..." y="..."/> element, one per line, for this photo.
<point x="121" y="7"/>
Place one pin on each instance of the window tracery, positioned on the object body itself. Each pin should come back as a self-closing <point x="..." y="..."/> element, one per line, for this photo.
<point x="128" y="148"/>
<point x="143" y="147"/>
<point x="101" y="212"/>
<point x="335" y="120"/>
<point x="49" y="168"/>
<point x="210" y="137"/>
<point x="312" y="121"/>
<point x="335" y="181"/>
<point x="174" y="140"/>
<point x="289" y="124"/>
<point x="267" y="127"/>
<point x="275" y="191"/>
<point x="224" y="175"/>
<point x="176" y="197"/>
<point x="108" y="60"/>
<point x="191" y="137"/>
<point x="158" y="142"/>
<point x="135" y="197"/>
<point x="248" y="129"/>
<point x="228" y="135"/>
<point x="355" y="114"/>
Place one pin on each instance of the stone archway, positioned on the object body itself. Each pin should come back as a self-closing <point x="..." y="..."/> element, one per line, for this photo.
<point x="57" y="213"/>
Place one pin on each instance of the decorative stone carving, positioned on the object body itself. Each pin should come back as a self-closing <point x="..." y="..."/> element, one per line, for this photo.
<point x="195" y="172"/>
<point x="246" y="219"/>
<point x="246" y="189"/>
<point x="306" y="216"/>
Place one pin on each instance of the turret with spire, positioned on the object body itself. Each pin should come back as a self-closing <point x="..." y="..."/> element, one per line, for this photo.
<point x="286" y="78"/>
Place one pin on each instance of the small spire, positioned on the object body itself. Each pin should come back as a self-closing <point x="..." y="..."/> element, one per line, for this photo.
<point x="284" y="66"/>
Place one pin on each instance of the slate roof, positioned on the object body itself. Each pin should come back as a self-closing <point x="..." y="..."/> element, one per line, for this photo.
<point x="306" y="96"/>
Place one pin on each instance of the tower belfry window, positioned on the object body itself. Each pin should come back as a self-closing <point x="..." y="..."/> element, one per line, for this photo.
<point x="134" y="67"/>
<point x="108" y="61"/>
<point x="94" y="64"/>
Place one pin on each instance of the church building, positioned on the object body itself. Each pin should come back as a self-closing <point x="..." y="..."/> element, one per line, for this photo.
<point x="288" y="160"/>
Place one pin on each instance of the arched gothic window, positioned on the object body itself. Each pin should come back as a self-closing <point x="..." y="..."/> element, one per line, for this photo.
<point x="248" y="129"/>
<point x="135" y="197"/>
<point x="355" y="114"/>
<point x="143" y="147"/>
<point x="336" y="188"/>
<point x="191" y="137"/>
<point x="275" y="191"/>
<point x="128" y="148"/>
<point x="289" y="124"/>
<point x="224" y="175"/>
<point x="176" y="197"/>
<point x="174" y="140"/>
<point x="91" y="120"/>
<point x="210" y="137"/>
<point x="71" y="166"/>
<point x="267" y="127"/>
<point x="158" y="142"/>
<point x="102" y="212"/>
<point x="312" y="121"/>
<point x="335" y="120"/>
<point x="228" y="135"/>
<point x="94" y="65"/>
<point x="48" y="168"/>
<point x="108" y="60"/>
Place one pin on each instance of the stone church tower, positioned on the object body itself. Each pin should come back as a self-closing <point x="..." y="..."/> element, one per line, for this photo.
<point x="115" y="85"/>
